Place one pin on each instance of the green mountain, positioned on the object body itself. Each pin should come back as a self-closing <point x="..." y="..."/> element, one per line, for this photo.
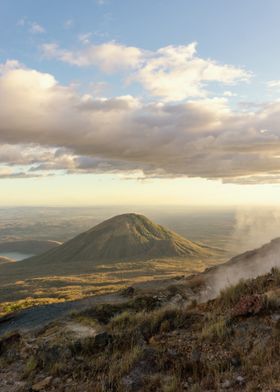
<point x="117" y="252"/>
<point x="124" y="237"/>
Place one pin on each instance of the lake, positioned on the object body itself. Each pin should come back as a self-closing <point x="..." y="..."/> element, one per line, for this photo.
<point x="16" y="255"/>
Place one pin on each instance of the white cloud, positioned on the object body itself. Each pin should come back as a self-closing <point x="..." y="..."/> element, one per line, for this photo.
<point x="85" y="38"/>
<point x="176" y="73"/>
<point x="68" y="23"/>
<point x="110" y="57"/>
<point x="273" y="84"/>
<point x="229" y="94"/>
<point x="46" y="127"/>
<point x="36" y="28"/>
<point x="172" y="72"/>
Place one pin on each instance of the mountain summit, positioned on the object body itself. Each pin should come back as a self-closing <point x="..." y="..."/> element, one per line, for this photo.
<point x="127" y="236"/>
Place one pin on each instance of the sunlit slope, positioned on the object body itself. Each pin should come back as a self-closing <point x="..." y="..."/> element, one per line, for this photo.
<point x="127" y="236"/>
<point x="4" y="260"/>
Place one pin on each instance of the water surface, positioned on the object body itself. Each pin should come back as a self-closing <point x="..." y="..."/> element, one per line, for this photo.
<point x="15" y="255"/>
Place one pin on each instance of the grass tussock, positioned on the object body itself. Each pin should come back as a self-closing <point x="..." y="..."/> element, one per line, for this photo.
<point x="217" y="329"/>
<point x="149" y="323"/>
<point x="105" y="312"/>
<point x="122" y="364"/>
<point x="30" y="366"/>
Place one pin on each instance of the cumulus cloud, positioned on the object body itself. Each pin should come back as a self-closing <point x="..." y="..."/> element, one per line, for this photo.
<point x="46" y="128"/>
<point x="176" y="73"/>
<point x="110" y="57"/>
<point x="172" y="72"/>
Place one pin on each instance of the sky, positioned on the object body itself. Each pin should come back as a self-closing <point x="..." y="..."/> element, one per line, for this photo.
<point x="139" y="102"/>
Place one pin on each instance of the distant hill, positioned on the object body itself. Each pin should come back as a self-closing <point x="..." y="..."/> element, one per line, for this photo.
<point x="28" y="246"/>
<point x="124" y="237"/>
<point x="4" y="260"/>
<point x="117" y="252"/>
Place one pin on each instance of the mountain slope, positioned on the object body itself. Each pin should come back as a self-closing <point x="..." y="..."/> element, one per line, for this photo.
<point x="4" y="260"/>
<point x="127" y="236"/>
<point x="228" y="344"/>
<point x="247" y="265"/>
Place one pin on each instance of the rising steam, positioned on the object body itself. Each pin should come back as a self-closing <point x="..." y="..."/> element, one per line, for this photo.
<point x="253" y="228"/>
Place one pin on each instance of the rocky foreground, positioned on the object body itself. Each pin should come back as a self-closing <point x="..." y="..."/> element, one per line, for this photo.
<point x="162" y="342"/>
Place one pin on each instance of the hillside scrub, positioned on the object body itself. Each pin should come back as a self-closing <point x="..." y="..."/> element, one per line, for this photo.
<point x="143" y="346"/>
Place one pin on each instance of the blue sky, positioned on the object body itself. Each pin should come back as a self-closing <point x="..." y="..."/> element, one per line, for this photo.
<point x="243" y="33"/>
<point x="194" y="79"/>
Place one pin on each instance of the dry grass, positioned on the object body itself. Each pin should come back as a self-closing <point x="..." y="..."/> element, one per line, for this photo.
<point x="30" y="366"/>
<point x="216" y="329"/>
<point x="175" y="344"/>
<point x="9" y="307"/>
<point x="48" y="283"/>
<point x="260" y="285"/>
<point x="149" y="323"/>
